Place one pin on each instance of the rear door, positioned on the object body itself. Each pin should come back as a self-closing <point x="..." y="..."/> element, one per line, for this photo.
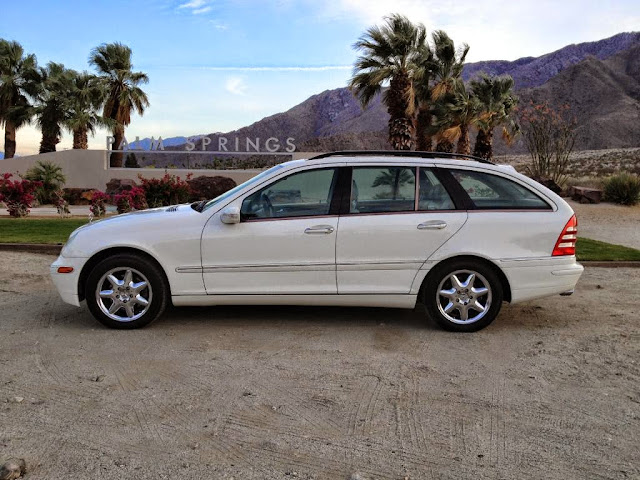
<point x="396" y="216"/>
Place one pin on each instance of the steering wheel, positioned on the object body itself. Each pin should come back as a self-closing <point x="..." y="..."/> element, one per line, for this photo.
<point x="267" y="206"/>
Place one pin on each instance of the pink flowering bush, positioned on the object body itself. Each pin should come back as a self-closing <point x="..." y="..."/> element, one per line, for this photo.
<point x="99" y="203"/>
<point x="168" y="190"/>
<point x="129" y="200"/>
<point x="17" y="195"/>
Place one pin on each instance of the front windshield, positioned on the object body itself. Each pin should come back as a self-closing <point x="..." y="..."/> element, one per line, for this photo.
<point x="237" y="188"/>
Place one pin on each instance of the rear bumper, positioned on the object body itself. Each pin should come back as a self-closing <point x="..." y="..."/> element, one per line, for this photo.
<point x="67" y="283"/>
<point x="542" y="277"/>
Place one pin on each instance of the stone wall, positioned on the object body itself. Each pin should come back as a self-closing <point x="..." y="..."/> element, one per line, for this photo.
<point x="89" y="168"/>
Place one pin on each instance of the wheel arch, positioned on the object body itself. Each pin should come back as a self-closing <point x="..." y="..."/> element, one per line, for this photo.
<point x="504" y="281"/>
<point x="108" y="252"/>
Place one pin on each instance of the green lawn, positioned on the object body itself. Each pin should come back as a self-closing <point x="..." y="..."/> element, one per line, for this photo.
<point x="57" y="230"/>
<point x="588" y="249"/>
<point x="38" y="230"/>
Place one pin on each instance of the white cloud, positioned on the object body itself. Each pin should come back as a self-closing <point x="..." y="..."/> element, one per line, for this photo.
<point x="236" y="85"/>
<point x="497" y="29"/>
<point x="217" y="25"/>
<point x="199" y="11"/>
<point x="197" y="7"/>
<point x="193" y="4"/>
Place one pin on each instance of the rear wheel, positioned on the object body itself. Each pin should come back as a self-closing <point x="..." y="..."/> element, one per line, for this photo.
<point x="126" y="291"/>
<point x="463" y="295"/>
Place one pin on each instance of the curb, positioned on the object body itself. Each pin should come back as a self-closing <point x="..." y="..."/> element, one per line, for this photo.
<point x="611" y="264"/>
<point x="51" y="249"/>
<point x="55" y="250"/>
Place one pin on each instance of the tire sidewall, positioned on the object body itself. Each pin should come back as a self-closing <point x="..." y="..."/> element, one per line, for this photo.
<point x="148" y="269"/>
<point x="440" y="272"/>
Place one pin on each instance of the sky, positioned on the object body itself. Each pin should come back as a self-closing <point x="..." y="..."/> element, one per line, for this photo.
<point x="218" y="65"/>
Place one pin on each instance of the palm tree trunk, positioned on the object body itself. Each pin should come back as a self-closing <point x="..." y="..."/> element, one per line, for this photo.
<point x="401" y="128"/>
<point x="484" y="144"/>
<point x="423" y="138"/>
<point x="80" y="139"/>
<point x="116" y="157"/>
<point x="444" y="146"/>
<point x="9" y="139"/>
<point x="48" y="143"/>
<point x="464" y="145"/>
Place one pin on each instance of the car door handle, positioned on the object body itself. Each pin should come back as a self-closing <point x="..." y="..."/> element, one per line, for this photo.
<point x="432" y="225"/>
<point x="319" y="230"/>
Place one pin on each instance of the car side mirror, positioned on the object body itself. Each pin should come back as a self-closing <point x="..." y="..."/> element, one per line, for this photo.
<point x="230" y="215"/>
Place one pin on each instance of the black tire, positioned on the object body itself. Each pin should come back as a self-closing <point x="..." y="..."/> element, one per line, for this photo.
<point x="142" y="269"/>
<point x="440" y="280"/>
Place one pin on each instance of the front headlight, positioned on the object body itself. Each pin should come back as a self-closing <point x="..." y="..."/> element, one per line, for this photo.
<point x="74" y="234"/>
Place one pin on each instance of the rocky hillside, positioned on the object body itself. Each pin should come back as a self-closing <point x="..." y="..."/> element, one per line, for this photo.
<point x="530" y="72"/>
<point x="600" y="80"/>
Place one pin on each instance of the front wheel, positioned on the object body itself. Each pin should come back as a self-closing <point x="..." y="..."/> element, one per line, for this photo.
<point x="125" y="291"/>
<point x="463" y="295"/>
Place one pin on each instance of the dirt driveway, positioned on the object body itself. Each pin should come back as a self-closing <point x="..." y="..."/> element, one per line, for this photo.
<point x="608" y="222"/>
<point x="551" y="390"/>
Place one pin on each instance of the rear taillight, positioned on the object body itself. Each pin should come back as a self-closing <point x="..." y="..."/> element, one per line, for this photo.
<point x="566" y="244"/>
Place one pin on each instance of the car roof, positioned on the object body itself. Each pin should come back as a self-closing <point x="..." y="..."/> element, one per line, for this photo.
<point x="400" y="155"/>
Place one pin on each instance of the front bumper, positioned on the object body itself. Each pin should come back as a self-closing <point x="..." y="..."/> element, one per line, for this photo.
<point x="67" y="283"/>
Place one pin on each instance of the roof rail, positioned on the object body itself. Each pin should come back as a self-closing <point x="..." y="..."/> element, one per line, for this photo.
<point x="400" y="153"/>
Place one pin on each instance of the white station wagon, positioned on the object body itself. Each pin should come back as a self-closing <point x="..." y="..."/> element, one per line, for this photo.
<point x="383" y="229"/>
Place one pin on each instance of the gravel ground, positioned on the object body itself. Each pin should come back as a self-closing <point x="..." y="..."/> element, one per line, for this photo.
<point x="609" y="223"/>
<point x="551" y="390"/>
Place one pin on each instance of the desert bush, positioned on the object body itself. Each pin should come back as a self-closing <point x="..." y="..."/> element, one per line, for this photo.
<point x="168" y="190"/>
<point x="623" y="188"/>
<point x="99" y="203"/>
<point x="17" y="195"/>
<point x="129" y="200"/>
<point x="51" y="178"/>
<point x="549" y="134"/>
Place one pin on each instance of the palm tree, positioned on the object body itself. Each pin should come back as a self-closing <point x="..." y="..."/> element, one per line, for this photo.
<point x="425" y="67"/>
<point x="51" y="110"/>
<point x="497" y="104"/>
<point x="19" y="79"/>
<point x="84" y="102"/>
<point x="394" y="177"/>
<point x="122" y="84"/>
<point x="389" y="55"/>
<point x="455" y="113"/>
<point x="51" y="177"/>
<point x="448" y="64"/>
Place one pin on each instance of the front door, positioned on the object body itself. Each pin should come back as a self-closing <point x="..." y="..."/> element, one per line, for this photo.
<point x="284" y="244"/>
<point x="387" y="235"/>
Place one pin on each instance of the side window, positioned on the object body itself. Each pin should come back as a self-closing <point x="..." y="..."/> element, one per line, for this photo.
<point x="494" y="192"/>
<point x="383" y="189"/>
<point x="433" y="195"/>
<point x="302" y="194"/>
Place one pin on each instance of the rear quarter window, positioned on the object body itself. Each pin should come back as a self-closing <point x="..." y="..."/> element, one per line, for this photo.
<point x="493" y="192"/>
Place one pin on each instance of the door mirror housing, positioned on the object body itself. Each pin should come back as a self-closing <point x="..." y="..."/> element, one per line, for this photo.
<point x="230" y="215"/>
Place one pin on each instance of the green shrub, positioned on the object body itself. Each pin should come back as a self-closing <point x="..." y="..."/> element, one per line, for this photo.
<point x="51" y="178"/>
<point x="623" y="188"/>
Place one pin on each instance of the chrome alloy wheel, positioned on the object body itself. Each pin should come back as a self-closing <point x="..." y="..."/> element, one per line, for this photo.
<point x="464" y="297"/>
<point x="123" y="294"/>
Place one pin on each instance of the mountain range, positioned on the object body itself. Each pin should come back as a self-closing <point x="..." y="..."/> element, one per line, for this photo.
<point x="599" y="80"/>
